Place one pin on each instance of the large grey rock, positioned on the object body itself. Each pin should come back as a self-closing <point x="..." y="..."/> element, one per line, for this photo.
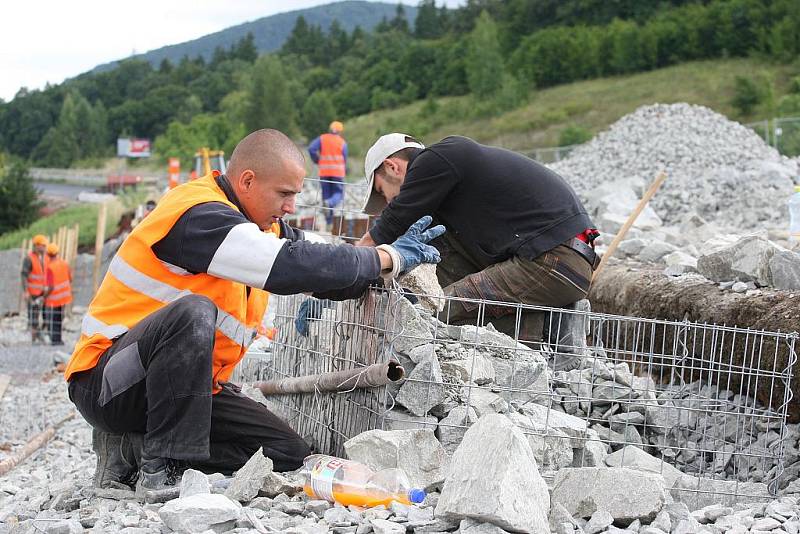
<point x="477" y="369"/>
<point x="250" y="478"/>
<point x="654" y="252"/>
<point x="398" y="419"/>
<point x="452" y="428"/>
<point x="522" y="380"/>
<point x="635" y="458"/>
<point x="470" y="526"/>
<point x="416" y="452"/>
<point x="199" y="512"/>
<point x="423" y="283"/>
<point x="784" y="268"/>
<point x="193" y="483"/>
<point x="698" y="493"/>
<point x="748" y="259"/>
<point x="275" y="484"/>
<point x="570" y="425"/>
<point x="483" y="400"/>
<point x="494" y="479"/>
<point x="583" y="491"/>
<point x="551" y="447"/>
<point x="424" y="388"/>
<point x="412" y="329"/>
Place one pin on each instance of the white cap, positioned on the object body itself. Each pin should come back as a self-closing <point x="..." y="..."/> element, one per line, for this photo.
<point x="385" y="146"/>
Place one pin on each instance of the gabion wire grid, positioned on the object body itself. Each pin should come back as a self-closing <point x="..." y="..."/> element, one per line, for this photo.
<point x="708" y="400"/>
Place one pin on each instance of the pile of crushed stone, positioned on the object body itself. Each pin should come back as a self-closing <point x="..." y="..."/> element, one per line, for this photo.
<point x="717" y="168"/>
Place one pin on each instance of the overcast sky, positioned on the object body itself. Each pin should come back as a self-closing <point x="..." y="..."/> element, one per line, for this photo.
<point x="50" y="40"/>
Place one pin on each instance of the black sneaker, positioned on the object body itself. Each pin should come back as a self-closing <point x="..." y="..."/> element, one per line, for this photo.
<point x="117" y="459"/>
<point x="157" y="474"/>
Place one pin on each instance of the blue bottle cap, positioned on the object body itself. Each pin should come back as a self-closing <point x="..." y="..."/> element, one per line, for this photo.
<point x="416" y="495"/>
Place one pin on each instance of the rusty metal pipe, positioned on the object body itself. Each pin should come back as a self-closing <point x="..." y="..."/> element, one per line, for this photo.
<point x="375" y="375"/>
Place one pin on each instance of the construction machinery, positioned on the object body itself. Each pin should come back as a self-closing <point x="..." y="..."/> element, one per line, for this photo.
<point x="207" y="160"/>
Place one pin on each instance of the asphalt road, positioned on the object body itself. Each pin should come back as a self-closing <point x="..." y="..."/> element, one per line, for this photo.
<point x="68" y="191"/>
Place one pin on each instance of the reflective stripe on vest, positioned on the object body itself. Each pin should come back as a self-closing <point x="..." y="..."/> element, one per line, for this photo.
<point x="331" y="156"/>
<point x="138" y="284"/>
<point x="162" y="292"/>
<point x="36" y="278"/>
<point x="61" y="292"/>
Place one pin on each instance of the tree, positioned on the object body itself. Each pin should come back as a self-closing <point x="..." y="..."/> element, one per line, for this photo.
<point x="747" y="95"/>
<point x="269" y="100"/>
<point x="245" y="49"/>
<point x="429" y="23"/>
<point x="484" y="60"/>
<point x="19" y="204"/>
<point x="317" y="113"/>
<point x="399" y="22"/>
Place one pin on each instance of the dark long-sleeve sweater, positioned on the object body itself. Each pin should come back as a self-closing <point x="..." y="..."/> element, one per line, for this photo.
<point x="495" y="202"/>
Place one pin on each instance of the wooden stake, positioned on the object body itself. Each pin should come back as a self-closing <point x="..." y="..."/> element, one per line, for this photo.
<point x="100" y="238"/>
<point x="34" y="444"/>
<point x="4" y="381"/>
<point x="631" y="219"/>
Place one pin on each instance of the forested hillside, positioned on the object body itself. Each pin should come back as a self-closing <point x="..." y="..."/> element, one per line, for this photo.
<point x="496" y="52"/>
<point x="269" y="33"/>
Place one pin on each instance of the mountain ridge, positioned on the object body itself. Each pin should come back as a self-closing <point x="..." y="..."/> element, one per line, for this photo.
<point x="270" y="32"/>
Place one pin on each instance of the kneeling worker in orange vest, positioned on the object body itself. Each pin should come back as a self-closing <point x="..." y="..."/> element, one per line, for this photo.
<point x="58" y="293"/>
<point x="180" y="304"/>
<point x="34" y="270"/>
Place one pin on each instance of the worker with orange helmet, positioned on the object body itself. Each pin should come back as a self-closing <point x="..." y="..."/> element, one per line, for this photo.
<point x="329" y="152"/>
<point x="58" y="293"/>
<point x="34" y="270"/>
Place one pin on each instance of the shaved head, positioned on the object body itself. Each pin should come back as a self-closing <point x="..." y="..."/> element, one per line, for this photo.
<point x="265" y="152"/>
<point x="266" y="172"/>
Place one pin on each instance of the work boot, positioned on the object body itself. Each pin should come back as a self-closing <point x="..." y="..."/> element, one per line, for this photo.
<point x="117" y="458"/>
<point x="156" y="474"/>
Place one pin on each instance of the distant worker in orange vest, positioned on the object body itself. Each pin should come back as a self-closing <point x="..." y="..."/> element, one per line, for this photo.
<point x="58" y="293"/>
<point x="34" y="270"/>
<point x="329" y="152"/>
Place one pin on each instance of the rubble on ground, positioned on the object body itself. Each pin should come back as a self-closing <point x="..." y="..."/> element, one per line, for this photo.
<point x="722" y="211"/>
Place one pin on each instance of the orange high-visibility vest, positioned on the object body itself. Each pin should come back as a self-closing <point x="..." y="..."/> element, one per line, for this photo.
<point x="331" y="156"/>
<point x="36" y="278"/>
<point x="138" y="284"/>
<point x="61" y="292"/>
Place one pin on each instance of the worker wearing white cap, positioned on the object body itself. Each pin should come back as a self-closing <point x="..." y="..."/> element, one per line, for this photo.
<point x="516" y="231"/>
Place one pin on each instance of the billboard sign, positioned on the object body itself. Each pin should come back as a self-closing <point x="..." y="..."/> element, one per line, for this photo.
<point x="133" y="148"/>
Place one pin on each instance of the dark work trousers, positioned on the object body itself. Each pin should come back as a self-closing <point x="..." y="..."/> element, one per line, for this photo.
<point x="53" y="317"/>
<point x="35" y="317"/>
<point x="156" y="380"/>
<point x="557" y="278"/>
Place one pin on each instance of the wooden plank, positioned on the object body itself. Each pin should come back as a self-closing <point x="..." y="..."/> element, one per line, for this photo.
<point x="631" y="219"/>
<point x="5" y="380"/>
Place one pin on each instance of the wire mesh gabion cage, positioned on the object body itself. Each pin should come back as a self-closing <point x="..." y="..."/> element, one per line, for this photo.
<point x="704" y="406"/>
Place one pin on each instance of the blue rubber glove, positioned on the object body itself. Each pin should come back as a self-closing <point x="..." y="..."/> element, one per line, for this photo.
<point x="310" y="310"/>
<point x="413" y="247"/>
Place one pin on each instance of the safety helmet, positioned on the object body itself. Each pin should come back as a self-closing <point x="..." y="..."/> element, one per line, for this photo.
<point x="52" y="249"/>
<point x="39" y="239"/>
<point x="336" y="127"/>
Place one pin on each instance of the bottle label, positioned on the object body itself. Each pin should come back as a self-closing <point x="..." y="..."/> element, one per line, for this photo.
<point x="322" y="476"/>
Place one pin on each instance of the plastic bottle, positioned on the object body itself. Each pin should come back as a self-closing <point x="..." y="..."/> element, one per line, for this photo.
<point x="794" y="216"/>
<point x="347" y="482"/>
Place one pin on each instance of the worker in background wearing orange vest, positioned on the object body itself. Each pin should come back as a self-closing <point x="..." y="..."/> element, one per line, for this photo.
<point x="34" y="270"/>
<point x="329" y="152"/>
<point x="57" y="294"/>
<point x="182" y="301"/>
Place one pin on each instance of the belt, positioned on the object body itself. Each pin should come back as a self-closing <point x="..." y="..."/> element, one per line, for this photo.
<point x="585" y="250"/>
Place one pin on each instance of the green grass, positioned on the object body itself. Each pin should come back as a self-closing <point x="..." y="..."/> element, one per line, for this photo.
<point x="85" y="215"/>
<point x="592" y="104"/>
